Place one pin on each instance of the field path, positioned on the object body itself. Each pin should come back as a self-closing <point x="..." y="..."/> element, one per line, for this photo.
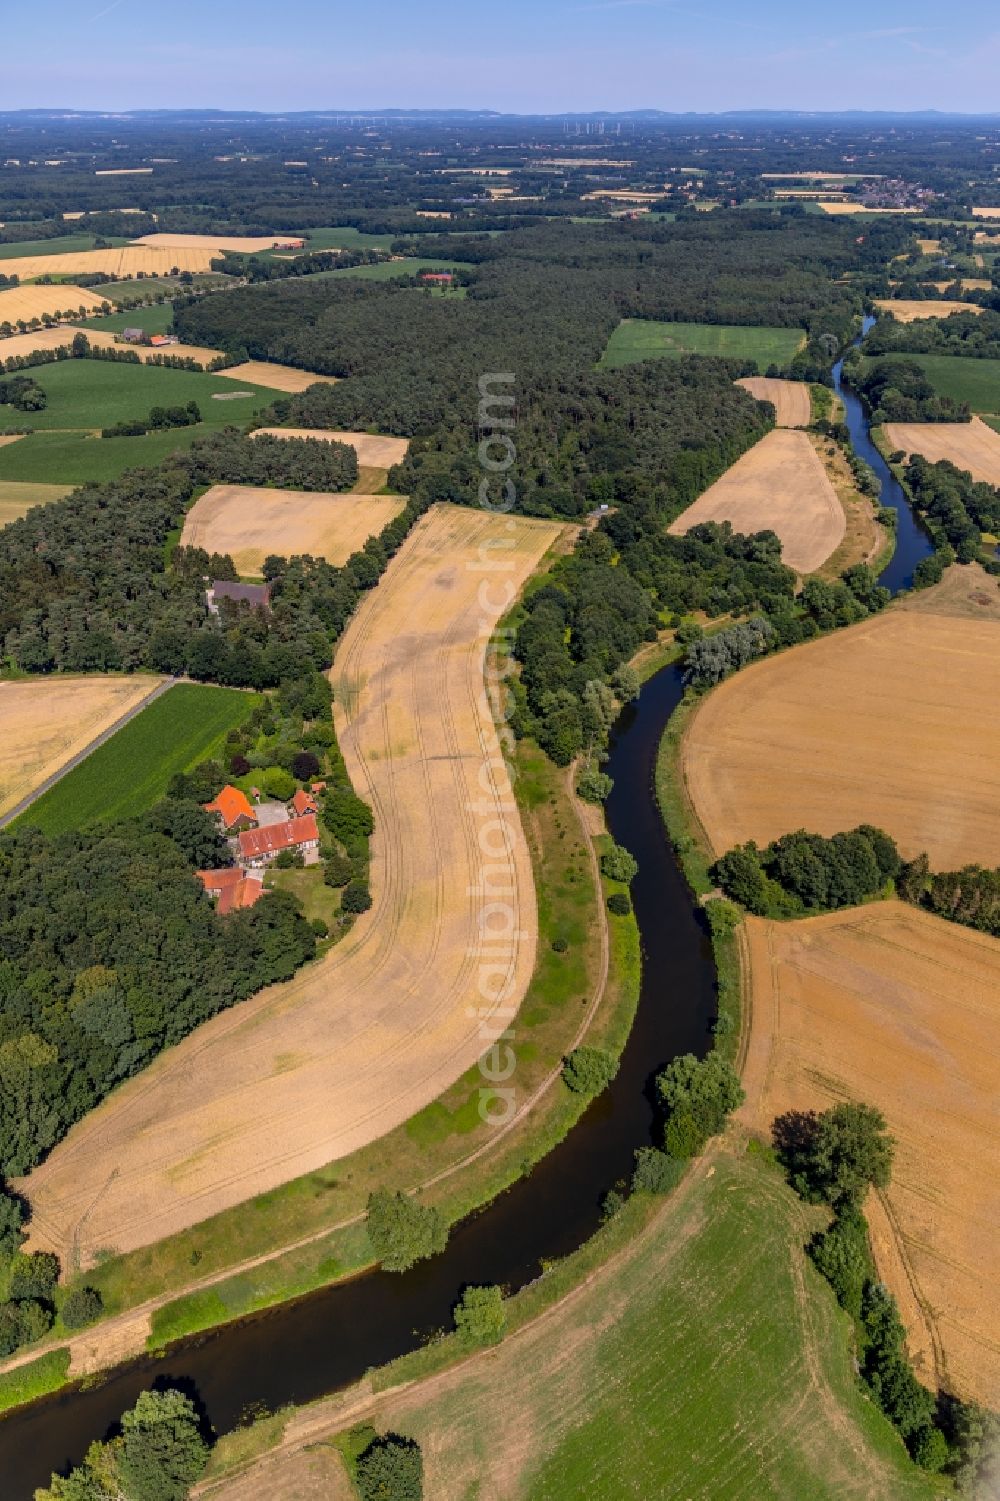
<point x="308" y="1071"/>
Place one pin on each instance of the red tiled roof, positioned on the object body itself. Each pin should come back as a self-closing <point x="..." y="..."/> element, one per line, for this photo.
<point x="231" y="804"/>
<point x="303" y="803"/>
<point x="275" y="837"/>
<point x="234" y="888"/>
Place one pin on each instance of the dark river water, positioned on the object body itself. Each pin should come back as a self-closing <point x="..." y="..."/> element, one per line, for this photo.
<point x="305" y="1349"/>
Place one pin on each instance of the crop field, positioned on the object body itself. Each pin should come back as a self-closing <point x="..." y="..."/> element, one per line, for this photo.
<point x="250" y="523"/>
<point x="117" y="291"/>
<point x="779" y="485"/>
<point x="907" y="311"/>
<point x="855" y="206"/>
<point x="308" y="1071"/>
<point x="971" y="445"/>
<point x="63" y="245"/>
<point x="964" y="379"/>
<point x="17" y="500"/>
<point x="97" y="393"/>
<point x="156" y="319"/>
<point x="241" y="244"/>
<point x="705" y="1359"/>
<point x="48" y="722"/>
<point x="642" y="339"/>
<point x="896" y="1007"/>
<point x="987" y="213"/>
<point x="76" y="458"/>
<point x="894" y="721"/>
<point x="39" y="338"/>
<point x="126" y="261"/>
<point x="790" y="398"/>
<point x="345" y="237"/>
<point x="392" y="270"/>
<point x="21" y="304"/>
<point x="130" y="772"/>
<point x="275" y="377"/>
<point x="100" y="337"/>
<point x="373" y="449"/>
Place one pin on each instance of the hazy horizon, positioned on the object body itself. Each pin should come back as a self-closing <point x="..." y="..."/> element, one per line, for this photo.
<point x="579" y="56"/>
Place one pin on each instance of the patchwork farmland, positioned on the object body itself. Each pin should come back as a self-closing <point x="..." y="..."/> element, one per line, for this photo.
<point x="969" y="445"/>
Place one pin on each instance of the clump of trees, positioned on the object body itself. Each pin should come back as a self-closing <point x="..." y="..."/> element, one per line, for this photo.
<point x="589" y="1070"/>
<point x="157" y="1456"/>
<point x="898" y="390"/>
<point x="159" y="418"/>
<point x="956" y="508"/>
<point x="390" y="1469"/>
<point x="697" y="1096"/>
<point x="808" y="872"/>
<point x="480" y="1316"/>
<point x="23" y="393"/>
<point x="403" y="1232"/>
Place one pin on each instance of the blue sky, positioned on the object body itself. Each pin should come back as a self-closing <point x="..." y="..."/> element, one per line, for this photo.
<point x="516" y="55"/>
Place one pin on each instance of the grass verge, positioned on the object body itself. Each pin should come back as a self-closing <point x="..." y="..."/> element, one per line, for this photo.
<point x="34" y="1379"/>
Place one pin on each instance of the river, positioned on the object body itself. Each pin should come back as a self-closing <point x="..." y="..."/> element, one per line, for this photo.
<point x="304" y="1349"/>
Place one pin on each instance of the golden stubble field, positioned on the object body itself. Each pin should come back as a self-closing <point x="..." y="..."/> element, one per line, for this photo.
<point x="17" y="499"/>
<point x="905" y="310"/>
<point x="250" y="523"/>
<point x="25" y="303"/>
<point x="242" y="244"/>
<point x="969" y="445"/>
<point x="48" y="722"/>
<point x="900" y="1009"/>
<point x="63" y="334"/>
<point x="278" y="377"/>
<point x="779" y="485"/>
<point x="895" y="722"/>
<point x="124" y="262"/>
<point x="308" y="1071"/>
<point x="790" y="398"/>
<point x="374" y="451"/>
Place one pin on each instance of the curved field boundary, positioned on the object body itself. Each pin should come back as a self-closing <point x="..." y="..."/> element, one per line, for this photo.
<point x="894" y="721"/>
<point x="248" y="523"/>
<point x="968" y="445"/>
<point x="778" y="485"/>
<point x="308" y="1071"/>
<point x="791" y="399"/>
<point x="374" y="450"/>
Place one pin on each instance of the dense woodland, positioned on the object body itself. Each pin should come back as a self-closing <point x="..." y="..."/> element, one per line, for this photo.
<point x="897" y="390"/>
<point x="975" y="335"/>
<point x="955" y="508"/>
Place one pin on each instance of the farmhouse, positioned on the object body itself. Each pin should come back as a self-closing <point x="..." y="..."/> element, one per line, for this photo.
<point x="258" y="596"/>
<point x="303" y="803"/>
<point x="437" y="276"/>
<point x="232" y="887"/>
<point x="233" y="809"/>
<point x="258" y="847"/>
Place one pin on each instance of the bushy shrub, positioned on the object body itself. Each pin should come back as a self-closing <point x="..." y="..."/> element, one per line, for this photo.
<point x="278" y="783"/>
<point x="594" y="786"/>
<point x="82" y="1306"/>
<point x="697" y="1095"/>
<point x="480" y="1316"/>
<point x="337" y="870"/>
<point x="391" y="1469"/>
<point x="356" y="897"/>
<point x="618" y="864"/>
<point x="655" y="1172"/>
<point x="403" y="1232"/>
<point x="589" y="1070"/>
<point x="619" y="904"/>
<point x="837" y="1156"/>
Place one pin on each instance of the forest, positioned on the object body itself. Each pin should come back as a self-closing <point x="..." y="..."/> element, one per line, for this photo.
<point x="956" y="508"/>
<point x="898" y="390"/>
<point x="976" y="335"/>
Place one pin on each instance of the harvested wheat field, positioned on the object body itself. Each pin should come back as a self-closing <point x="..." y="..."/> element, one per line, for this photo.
<point x="309" y="1071"/>
<point x="929" y="247"/>
<point x="987" y="213"/>
<point x="900" y="1009"/>
<point x="855" y="206"/>
<point x="970" y="445"/>
<point x="47" y="723"/>
<point x="894" y="721"/>
<point x="250" y="523"/>
<point x="63" y="334"/>
<point x="124" y="262"/>
<point x="906" y="311"/>
<point x="373" y="450"/>
<point x="39" y="338"/>
<point x="790" y="398"/>
<point x="35" y="302"/>
<point x="780" y="485"/>
<point x="241" y="244"/>
<point x="17" y="499"/>
<point x="278" y="377"/>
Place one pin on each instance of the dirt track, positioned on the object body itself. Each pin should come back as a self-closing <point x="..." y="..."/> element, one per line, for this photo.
<point x="895" y="722"/>
<point x="790" y="398"/>
<point x="307" y="1071"/>
<point x="780" y="485"/>
<point x="900" y="1009"/>
<point x="250" y="523"/>
<point x="969" y="445"/>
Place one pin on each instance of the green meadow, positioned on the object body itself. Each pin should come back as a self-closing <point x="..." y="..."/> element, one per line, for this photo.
<point x="964" y="379"/>
<point x="130" y="772"/>
<point x="77" y="458"/>
<point x="642" y="339"/>
<point x="393" y="270"/>
<point x="66" y="245"/>
<point x="157" y="319"/>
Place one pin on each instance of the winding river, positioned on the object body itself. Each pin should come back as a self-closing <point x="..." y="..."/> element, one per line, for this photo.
<point x="305" y="1349"/>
